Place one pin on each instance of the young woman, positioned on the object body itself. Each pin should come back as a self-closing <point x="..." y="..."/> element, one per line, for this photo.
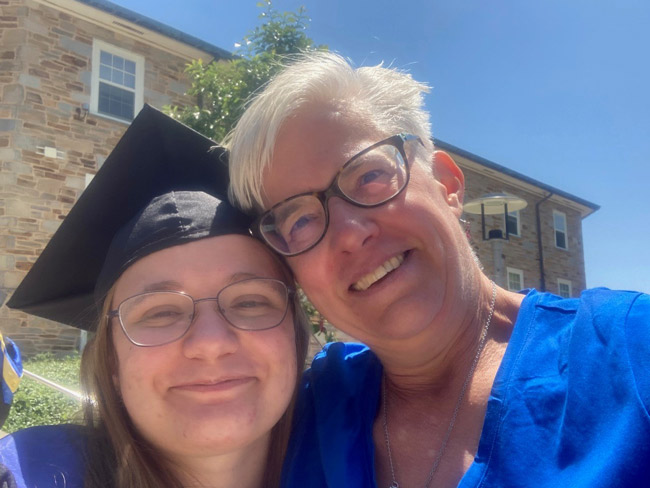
<point x="199" y="342"/>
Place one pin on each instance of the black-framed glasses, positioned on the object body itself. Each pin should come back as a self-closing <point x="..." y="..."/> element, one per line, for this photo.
<point x="369" y="179"/>
<point x="160" y="317"/>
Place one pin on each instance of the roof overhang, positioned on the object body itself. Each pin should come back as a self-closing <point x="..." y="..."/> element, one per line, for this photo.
<point x="496" y="171"/>
<point x="139" y="27"/>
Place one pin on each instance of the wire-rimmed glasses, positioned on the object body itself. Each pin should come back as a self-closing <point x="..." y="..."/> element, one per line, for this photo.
<point x="160" y="317"/>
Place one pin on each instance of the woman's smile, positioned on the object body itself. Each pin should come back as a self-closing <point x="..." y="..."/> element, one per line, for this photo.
<point x="230" y="385"/>
<point x="381" y="272"/>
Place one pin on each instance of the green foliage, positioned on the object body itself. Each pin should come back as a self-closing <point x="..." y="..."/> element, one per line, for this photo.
<point x="281" y="33"/>
<point x="37" y="404"/>
<point x="318" y="322"/>
<point x="222" y="88"/>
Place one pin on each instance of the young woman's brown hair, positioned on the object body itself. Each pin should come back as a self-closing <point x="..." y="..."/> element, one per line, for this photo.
<point x="117" y="455"/>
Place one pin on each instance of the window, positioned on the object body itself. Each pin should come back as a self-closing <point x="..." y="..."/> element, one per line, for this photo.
<point x="117" y="82"/>
<point x="564" y="288"/>
<point x="512" y="223"/>
<point x="559" y="224"/>
<point x="515" y="279"/>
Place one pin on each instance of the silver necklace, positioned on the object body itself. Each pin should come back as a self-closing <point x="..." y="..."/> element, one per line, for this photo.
<point x="470" y="373"/>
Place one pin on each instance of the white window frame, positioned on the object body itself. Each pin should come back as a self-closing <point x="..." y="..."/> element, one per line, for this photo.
<point x="565" y="230"/>
<point x="99" y="46"/>
<point x="518" y="272"/>
<point x="517" y="215"/>
<point x="561" y="281"/>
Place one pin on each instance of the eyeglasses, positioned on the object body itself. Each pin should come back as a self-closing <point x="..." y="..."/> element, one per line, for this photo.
<point x="371" y="178"/>
<point x="161" y="317"/>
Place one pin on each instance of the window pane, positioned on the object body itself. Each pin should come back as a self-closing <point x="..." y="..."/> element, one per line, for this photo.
<point x="118" y="77"/>
<point x="105" y="58"/>
<point x="118" y="62"/>
<point x="514" y="282"/>
<point x="104" y="72"/>
<point x="559" y="221"/>
<point x="129" y="80"/>
<point x="511" y="223"/>
<point x="129" y="66"/>
<point x="116" y="101"/>
<point x="565" y="290"/>
<point x="560" y="239"/>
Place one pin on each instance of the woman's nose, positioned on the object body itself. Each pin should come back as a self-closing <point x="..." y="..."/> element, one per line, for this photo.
<point x="210" y="335"/>
<point x="350" y="227"/>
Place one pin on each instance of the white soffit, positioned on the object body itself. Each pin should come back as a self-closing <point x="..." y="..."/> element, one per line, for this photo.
<point x="126" y="28"/>
<point x="530" y="188"/>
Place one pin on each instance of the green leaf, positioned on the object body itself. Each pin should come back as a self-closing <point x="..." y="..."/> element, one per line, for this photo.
<point x="222" y="88"/>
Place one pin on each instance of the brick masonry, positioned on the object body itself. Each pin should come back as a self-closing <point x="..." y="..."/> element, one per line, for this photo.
<point x="45" y="73"/>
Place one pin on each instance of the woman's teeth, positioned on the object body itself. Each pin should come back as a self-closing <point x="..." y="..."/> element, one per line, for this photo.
<point x="368" y="280"/>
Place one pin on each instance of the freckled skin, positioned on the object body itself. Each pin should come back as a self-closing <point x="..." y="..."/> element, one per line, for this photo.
<point x="184" y="423"/>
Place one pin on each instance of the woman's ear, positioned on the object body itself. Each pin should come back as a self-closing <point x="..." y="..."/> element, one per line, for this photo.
<point x="449" y="174"/>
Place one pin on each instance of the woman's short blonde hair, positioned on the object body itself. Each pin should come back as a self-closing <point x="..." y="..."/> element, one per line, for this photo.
<point x="392" y="101"/>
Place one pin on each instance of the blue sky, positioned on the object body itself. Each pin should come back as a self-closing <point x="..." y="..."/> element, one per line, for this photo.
<point x="555" y="89"/>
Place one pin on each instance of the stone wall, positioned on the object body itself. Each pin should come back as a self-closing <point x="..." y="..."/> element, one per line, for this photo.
<point x="523" y="252"/>
<point x="45" y="75"/>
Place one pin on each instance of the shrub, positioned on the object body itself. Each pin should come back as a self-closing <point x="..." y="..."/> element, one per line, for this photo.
<point x="37" y="404"/>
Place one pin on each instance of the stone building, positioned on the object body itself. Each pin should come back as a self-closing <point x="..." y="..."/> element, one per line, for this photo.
<point x="73" y="73"/>
<point x="544" y="249"/>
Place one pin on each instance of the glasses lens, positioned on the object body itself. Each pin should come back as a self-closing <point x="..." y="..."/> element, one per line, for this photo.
<point x="254" y="304"/>
<point x="294" y="225"/>
<point x="156" y="318"/>
<point x="374" y="177"/>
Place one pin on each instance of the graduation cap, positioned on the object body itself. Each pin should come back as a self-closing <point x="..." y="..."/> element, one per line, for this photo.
<point x="162" y="185"/>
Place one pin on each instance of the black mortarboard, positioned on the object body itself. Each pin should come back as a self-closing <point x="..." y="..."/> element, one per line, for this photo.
<point x="164" y="184"/>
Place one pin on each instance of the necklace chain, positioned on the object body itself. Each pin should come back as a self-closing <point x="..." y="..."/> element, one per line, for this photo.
<point x="470" y="373"/>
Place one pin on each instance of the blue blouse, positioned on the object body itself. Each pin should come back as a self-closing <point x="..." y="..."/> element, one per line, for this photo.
<point x="568" y="407"/>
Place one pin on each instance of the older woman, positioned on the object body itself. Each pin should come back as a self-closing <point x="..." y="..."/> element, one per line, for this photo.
<point x="464" y="383"/>
<point x="198" y="345"/>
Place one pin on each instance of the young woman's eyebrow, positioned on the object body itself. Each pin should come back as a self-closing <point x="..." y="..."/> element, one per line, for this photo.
<point x="242" y="275"/>
<point x="167" y="285"/>
<point x="171" y="285"/>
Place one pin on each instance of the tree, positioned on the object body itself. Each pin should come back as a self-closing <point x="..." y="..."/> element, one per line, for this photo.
<point x="222" y="88"/>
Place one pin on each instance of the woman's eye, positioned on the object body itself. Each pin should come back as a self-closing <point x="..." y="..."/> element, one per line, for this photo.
<point x="371" y="176"/>
<point x="162" y="315"/>
<point x="301" y="223"/>
<point x="295" y="230"/>
<point x="165" y="313"/>
<point x="251" y="305"/>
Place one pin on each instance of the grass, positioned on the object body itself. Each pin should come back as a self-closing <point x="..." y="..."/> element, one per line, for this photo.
<point x="37" y="404"/>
